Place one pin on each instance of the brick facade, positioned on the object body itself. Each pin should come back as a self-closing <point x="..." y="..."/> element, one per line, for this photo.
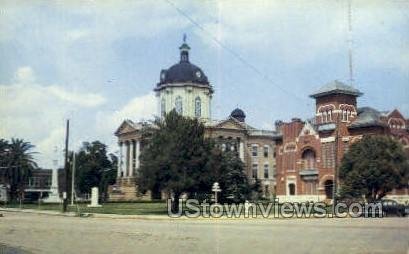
<point x="306" y="149"/>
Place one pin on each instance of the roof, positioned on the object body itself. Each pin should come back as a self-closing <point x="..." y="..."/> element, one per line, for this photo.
<point x="238" y="114"/>
<point x="249" y="129"/>
<point x="183" y="72"/>
<point x="368" y="117"/>
<point x="336" y="87"/>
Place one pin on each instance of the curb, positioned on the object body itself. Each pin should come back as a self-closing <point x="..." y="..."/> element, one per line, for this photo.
<point x="45" y="212"/>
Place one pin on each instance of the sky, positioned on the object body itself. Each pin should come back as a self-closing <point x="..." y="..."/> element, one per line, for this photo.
<point x="97" y="62"/>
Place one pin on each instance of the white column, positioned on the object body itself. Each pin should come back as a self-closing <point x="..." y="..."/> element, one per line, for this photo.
<point x="138" y="152"/>
<point x="131" y="158"/>
<point x="241" y="151"/>
<point x="120" y="160"/>
<point x="127" y="159"/>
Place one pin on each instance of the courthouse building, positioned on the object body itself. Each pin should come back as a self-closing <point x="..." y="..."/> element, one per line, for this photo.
<point x="186" y="88"/>
<point x="306" y="150"/>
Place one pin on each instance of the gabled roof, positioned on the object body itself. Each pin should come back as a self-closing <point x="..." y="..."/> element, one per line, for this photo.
<point x="240" y="125"/>
<point x="336" y="87"/>
<point x="128" y="126"/>
<point x="308" y="128"/>
<point x="368" y="117"/>
<point x="395" y="113"/>
<point x="251" y="131"/>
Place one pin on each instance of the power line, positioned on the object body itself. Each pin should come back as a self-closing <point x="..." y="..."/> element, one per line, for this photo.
<point x="350" y="44"/>
<point x="232" y="52"/>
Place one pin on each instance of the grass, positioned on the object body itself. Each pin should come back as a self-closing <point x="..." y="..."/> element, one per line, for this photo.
<point x="122" y="208"/>
<point x="137" y="208"/>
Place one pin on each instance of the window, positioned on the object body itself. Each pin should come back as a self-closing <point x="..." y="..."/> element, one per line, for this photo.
<point x="179" y="105"/>
<point x="254" y="170"/>
<point x="291" y="189"/>
<point x="265" y="151"/>
<point x="163" y="107"/>
<point x="266" y="171"/>
<point x="325" y="117"/>
<point x="198" y="107"/>
<point x="254" y="150"/>
<point x="308" y="159"/>
<point x="344" y="115"/>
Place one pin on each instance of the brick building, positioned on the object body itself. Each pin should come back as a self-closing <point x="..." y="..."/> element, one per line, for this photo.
<point x="306" y="149"/>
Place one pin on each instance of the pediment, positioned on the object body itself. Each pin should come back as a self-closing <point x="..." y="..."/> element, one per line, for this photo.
<point x="230" y="124"/>
<point x="396" y="114"/>
<point x="307" y="130"/>
<point x="125" y="127"/>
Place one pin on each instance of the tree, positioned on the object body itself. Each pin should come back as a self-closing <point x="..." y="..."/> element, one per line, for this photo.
<point x="372" y="167"/>
<point x="175" y="156"/>
<point x="227" y="169"/>
<point x="18" y="161"/>
<point x="95" y="168"/>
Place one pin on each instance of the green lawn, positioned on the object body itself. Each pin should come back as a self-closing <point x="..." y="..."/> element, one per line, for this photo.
<point x="139" y="208"/>
<point x="135" y="208"/>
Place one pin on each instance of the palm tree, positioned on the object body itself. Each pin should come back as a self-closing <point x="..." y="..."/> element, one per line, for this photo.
<point x="20" y="164"/>
<point x="4" y="159"/>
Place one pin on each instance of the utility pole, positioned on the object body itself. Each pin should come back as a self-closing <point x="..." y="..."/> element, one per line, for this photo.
<point x="72" y="180"/>
<point x="67" y="168"/>
<point x="335" y="182"/>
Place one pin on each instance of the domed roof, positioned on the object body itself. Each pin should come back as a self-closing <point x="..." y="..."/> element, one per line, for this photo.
<point x="238" y="114"/>
<point x="184" y="71"/>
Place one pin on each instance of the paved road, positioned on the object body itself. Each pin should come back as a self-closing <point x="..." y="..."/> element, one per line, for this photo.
<point x="54" y="234"/>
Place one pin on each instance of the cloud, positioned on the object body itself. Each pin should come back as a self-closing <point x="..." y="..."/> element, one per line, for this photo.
<point x="137" y="109"/>
<point x="300" y="33"/>
<point x="37" y="112"/>
<point x="24" y="75"/>
<point x="86" y="100"/>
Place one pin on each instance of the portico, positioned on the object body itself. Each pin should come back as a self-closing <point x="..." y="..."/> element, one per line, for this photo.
<point x="129" y="149"/>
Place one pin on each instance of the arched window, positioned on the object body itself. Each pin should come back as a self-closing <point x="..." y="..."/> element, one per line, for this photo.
<point x="308" y="158"/>
<point x="198" y="107"/>
<point x="325" y="116"/>
<point x="163" y="107"/>
<point x="179" y="105"/>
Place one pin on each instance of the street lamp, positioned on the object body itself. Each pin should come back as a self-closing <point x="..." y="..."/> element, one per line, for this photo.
<point x="216" y="189"/>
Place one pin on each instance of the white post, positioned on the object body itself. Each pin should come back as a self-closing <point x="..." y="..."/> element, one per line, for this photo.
<point x="241" y="152"/>
<point x="131" y="158"/>
<point x="138" y="151"/>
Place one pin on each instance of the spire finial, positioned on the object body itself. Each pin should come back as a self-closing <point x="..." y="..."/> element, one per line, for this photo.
<point x="184" y="50"/>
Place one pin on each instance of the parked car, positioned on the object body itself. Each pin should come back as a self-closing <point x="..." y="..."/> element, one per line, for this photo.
<point x="391" y="207"/>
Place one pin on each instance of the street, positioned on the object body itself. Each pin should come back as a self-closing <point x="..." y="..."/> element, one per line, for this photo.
<point x="32" y="233"/>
